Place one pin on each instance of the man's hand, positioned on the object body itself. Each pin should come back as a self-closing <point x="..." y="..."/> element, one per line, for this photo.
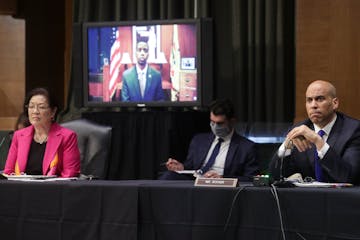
<point x="302" y="138"/>
<point x="212" y="174"/>
<point x="174" y="165"/>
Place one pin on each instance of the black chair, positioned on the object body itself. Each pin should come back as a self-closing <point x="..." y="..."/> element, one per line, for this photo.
<point x="5" y="141"/>
<point x="94" y="142"/>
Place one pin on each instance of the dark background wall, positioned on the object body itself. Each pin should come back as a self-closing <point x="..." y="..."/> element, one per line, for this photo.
<point x="45" y="36"/>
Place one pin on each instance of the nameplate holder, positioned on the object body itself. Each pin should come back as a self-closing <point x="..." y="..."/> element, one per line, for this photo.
<point x="215" y="182"/>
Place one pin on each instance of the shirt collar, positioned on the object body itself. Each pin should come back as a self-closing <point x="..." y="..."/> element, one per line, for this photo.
<point x="138" y="70"/>
<point x="226" y="138"/>
<point x="327" y="127"/>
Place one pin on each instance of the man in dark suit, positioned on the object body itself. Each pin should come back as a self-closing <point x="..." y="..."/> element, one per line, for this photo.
<point x="236" y="156"/>
<point x="333" y="157"/>
<point x="141" y="83"/>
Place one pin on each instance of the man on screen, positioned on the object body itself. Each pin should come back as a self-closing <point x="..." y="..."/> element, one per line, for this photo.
<point x="141" y="83"/>
<point x="326" y="146"/>
<point x="235" y="157"/>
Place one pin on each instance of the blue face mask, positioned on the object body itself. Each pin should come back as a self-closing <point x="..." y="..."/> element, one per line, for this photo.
<point x="220" y="130"/>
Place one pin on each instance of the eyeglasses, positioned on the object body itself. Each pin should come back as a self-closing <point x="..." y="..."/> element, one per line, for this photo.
<point x="41" y="108"/>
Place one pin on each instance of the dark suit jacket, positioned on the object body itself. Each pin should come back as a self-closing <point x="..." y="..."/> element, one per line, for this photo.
<point x="341" y="163"/>
<point x="130" y="91"/>
<point x="240" y="160"/>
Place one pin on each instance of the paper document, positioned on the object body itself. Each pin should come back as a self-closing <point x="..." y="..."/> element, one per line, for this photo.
<point x="25" y="176"/>
<point x="36" y="178"/>
<point x="186" y="172"/>
<point x="43" y="180"/>
<point x="321" y="184"/>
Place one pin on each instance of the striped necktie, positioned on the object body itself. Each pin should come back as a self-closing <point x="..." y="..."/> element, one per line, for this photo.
<point x="213" y="156"/>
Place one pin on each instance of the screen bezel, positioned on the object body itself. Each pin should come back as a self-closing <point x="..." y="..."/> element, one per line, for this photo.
<point x="199" y="62"/>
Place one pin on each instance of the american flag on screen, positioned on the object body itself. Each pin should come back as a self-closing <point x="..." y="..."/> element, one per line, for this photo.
<point x="115" y="57"/>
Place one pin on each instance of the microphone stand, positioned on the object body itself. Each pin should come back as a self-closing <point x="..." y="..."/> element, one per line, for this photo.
<point x="2" y="141"/>
<point x="282" y="183"/>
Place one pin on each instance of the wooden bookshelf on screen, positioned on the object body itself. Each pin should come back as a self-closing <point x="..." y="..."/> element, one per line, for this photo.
<point x="188" y="85"/>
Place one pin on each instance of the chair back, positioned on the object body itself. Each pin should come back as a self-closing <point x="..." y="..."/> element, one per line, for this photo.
<point x="94" y="142"/>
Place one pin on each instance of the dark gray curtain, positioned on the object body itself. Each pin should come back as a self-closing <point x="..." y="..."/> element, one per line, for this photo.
<point x="254" y="51"/>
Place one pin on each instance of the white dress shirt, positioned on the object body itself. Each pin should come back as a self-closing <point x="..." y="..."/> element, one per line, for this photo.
<point x="142" y="78"/>
<point x="220" y="159"/>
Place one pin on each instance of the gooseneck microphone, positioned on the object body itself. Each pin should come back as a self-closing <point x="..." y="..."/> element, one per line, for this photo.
<point x="289" y="145"/>
<point x="282" y="181"/>
<point x="2" y="141"/>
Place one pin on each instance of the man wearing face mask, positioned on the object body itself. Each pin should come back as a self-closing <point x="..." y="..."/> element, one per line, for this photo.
<point x="234" y="156"/>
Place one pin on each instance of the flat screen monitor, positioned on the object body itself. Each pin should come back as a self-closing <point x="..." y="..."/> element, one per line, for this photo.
<point x="147" y="63"/>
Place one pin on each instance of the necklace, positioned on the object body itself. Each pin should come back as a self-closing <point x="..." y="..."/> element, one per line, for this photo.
<point x="40" y="140"/>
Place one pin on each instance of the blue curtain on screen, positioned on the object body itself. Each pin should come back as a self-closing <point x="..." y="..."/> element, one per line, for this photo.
<point x="100" y="41"/>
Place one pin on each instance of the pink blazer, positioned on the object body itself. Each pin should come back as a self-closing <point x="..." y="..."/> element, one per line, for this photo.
<point x="61" y="158"/>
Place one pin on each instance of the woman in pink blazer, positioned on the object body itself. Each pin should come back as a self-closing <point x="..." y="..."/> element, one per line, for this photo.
<point x="45" y="147"/>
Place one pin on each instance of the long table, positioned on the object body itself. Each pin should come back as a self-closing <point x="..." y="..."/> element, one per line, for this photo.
<point x="164" y="210"/>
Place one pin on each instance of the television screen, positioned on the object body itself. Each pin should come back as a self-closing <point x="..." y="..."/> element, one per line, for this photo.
<point x="148" y="63"/>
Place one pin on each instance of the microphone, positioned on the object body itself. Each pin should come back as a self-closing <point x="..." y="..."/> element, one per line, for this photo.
<point x="289" y="145"/>
<point x="282" y="181"/>
<point x="4" y="138"/>
<point x="2" y="141"/>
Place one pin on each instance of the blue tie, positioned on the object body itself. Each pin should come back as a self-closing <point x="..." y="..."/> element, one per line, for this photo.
<point x="318" y="170"/>
<point x="212" y="158"/>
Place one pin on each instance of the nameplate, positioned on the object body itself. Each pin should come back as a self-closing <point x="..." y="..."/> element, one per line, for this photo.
<point x="215" y="182"/>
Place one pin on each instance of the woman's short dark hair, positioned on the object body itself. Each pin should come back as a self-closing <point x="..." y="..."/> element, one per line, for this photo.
<point x="223" y="107"/>
<point x="43" y="92"/>
<point x="22" y="119"/>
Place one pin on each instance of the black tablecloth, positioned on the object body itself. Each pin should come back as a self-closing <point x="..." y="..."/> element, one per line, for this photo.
<point x="72" y="210"/>
<point x="149" y="209"/>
